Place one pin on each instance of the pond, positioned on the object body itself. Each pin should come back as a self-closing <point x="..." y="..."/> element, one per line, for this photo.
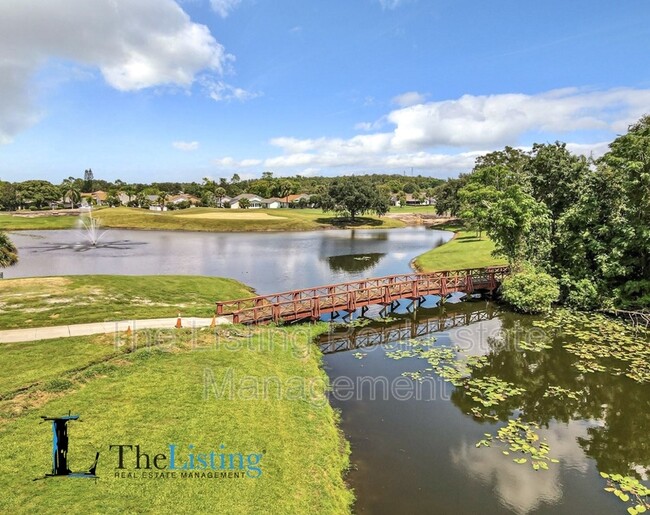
<point x="414" y="436"/>
<point x="269" y="262"/>
<point x="412" y="387"/>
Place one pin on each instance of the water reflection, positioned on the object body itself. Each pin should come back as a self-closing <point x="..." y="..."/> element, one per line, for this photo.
<point x="354" y="262"/>
<point x="269" y="262"/>
<point x="603" y="426"/>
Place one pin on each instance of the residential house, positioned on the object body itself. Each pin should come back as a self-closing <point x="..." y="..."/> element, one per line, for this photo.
<point x="183" y="197"/>
<point x="97" y="197"/>
<point x="272" y="203"/>
<point x="292" y="200"/>
<point x="254" y="200"/>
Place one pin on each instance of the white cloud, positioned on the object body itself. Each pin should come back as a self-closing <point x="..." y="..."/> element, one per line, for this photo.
<point x="503" y="119"/>
<point x="409" y="98"/>
<point x="223" y="7"/>
<point x="222" y="92"/>
<point x="186" y="146"/>
<point x="390" y="4"/>
<point x="135" y="44"/>
<point x="425" y="135"/>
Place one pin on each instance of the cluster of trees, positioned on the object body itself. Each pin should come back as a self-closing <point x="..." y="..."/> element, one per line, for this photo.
<point x="40" y="194"/>
<point x="585" y="222"/>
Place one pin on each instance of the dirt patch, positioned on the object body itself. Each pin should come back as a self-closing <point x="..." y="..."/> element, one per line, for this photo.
<point x="237" y="215"/>
<point x="36" y="283"/>
<point x="418" y="218"/>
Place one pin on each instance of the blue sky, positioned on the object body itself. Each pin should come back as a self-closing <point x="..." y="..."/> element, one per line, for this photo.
<point x="153" y="90"/>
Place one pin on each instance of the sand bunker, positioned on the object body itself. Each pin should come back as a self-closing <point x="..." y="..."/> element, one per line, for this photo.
<point x="235" y="215"/>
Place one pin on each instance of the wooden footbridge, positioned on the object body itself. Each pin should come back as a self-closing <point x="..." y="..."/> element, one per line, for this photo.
<point x="312" y="303"/>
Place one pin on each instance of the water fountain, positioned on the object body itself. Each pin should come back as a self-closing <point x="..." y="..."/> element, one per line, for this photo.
<point x="90" y="229"/>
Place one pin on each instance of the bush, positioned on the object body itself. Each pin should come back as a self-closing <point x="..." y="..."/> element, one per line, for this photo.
<point x="530" y="291"/>
<point x="583" y="295"/>
<point x="633" y="295"/>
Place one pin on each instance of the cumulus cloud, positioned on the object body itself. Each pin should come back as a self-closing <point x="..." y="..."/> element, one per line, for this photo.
<point x="135" y="44"/>
<point x="446" y="136"/>
<point x="221" y="92"/>
<point x="409" y="98"/>
<point x="223" y="7"/>
<point x="186" y="146"/>
<point x="503" y="119"/>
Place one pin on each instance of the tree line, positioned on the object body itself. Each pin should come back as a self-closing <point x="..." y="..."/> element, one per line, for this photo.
<point x="40" y="194"/>
<point x="583" y="222"/>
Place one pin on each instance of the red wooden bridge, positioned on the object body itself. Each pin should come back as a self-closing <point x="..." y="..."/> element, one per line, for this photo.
<point x="311" y="303"/>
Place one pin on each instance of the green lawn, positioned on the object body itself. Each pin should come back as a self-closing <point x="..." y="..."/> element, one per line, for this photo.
<point x="43" y="361"/>
<point x="204" y="219"/>
<point x="154" y="397"/>
<point x="466" y="250"/>
<point x="10" y="222"/>
<point x="48" y="301"/>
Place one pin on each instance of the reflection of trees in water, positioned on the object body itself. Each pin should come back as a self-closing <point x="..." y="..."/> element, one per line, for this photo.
<point x="354" y="262"/>
<point x="619" y="444"/>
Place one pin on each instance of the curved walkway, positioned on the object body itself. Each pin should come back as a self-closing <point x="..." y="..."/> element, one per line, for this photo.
<point x="64" y="331"/>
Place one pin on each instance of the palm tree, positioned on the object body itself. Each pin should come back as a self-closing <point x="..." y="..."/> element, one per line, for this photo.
<point x="8" y="251"/>
<point x="71" y="192"/>
<point x="220" y="193"/>
<point x="162" y="199"/>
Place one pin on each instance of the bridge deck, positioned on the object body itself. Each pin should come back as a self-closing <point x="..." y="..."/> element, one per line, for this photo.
<point x="311" y="303"/>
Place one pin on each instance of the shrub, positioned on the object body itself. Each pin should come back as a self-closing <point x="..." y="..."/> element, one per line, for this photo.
<point x="530" y="291"/>
<point x="583" y="295"/>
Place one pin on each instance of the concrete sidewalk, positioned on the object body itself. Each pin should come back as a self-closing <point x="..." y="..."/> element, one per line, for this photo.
<point x="64" y="331"/>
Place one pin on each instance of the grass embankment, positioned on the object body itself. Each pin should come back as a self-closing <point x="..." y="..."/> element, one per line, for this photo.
<point x="154" y="397"/>
<point x="466" y="250"/>
<point x="49" y="301"/>
<point x="204" y="219"/>
<point x="27" y="221"/>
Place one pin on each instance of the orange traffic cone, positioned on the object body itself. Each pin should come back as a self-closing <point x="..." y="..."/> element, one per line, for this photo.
<point x="179" y="324"/>
<point x="128" y="331"/>
<point x="213" y="324"/>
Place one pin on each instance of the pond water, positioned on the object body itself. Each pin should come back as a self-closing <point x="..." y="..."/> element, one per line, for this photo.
<point x="414" y="441"/>
<point x="269" y="262"/>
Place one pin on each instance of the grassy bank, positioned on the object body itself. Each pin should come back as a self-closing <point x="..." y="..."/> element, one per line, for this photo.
<point x="12" y="222"/>
<point x="466" y="250"/>
<point x="49" y="301"/>
<point x="154" y="397"/>
<point x="203" y="219"/>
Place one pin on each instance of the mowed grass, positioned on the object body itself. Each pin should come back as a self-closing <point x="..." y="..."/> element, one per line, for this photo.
<point x="50" y="301"/>
<point x="11" y="222"/>
<point x="466" y="250"/>
<point x="236" y="220"/>
<point x="154" y="397"/>
<point x="28" y="363"/>
<point x="204" y="219"/>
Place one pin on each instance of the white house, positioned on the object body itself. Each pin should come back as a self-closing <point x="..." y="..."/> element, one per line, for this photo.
<point x="254" y="200"/>
<point x="272" y="203"/>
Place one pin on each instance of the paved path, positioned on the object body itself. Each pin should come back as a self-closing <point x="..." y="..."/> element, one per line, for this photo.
<point x="63" y="331"/>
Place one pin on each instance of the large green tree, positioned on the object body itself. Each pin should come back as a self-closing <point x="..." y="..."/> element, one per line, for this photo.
<point x="354" y="196"/>
<point x="520" y="227"/>
<point x="37" y="193"/>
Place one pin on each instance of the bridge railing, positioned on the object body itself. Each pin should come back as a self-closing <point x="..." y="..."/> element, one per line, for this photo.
<point x="428" y="281"/>
<point x="310" y="302"/>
